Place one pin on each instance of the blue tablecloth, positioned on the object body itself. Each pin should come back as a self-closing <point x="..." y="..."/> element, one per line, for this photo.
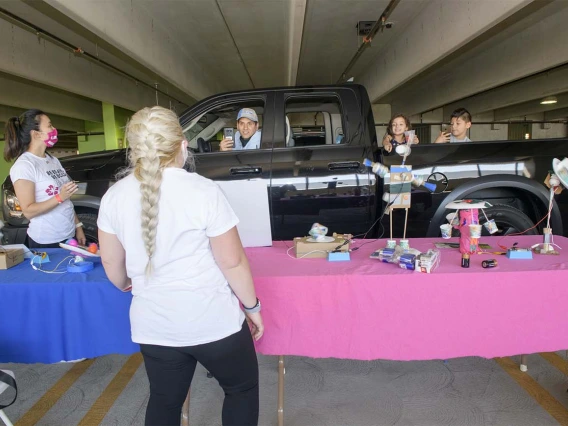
<point x="53" y="317"/>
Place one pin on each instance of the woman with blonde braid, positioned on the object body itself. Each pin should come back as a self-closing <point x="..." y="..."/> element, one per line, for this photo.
<point x="171" y="235"/>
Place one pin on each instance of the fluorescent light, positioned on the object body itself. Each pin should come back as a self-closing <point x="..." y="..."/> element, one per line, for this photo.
<point x="549" y="100"/>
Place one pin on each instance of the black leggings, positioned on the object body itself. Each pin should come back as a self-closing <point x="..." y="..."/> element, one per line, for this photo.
<point x="34" y="244"/>
<point x="232" y="361"/>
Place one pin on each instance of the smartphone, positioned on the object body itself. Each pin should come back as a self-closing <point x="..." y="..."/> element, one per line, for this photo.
<point x="228" y="133"/>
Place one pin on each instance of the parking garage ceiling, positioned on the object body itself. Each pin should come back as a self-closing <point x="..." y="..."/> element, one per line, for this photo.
<point x="497" y="57"/>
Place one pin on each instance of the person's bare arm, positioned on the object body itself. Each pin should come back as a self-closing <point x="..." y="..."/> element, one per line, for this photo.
<point x="113" y="258"/>
<point x="443" y="138"/>
<point x="387" y="143"/>
<point x="232" y="260"/>
<point x="25" y="191"/>
<point x="79" y="232"/>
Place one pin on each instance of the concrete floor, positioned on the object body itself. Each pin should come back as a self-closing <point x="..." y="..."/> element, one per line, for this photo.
<point x="113" y="390"/>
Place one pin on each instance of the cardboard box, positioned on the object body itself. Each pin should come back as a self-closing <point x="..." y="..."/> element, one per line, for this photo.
<point x="10" y="257"/>
<point x="303" y="246"/>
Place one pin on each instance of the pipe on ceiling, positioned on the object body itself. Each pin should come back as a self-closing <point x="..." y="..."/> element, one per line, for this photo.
<point x="78" y="51"/>
<point x="367" y="40"/>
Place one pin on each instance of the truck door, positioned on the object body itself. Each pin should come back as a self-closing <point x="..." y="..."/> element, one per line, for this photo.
<point x="205" y="127"/>
<point x="317" y="163"/>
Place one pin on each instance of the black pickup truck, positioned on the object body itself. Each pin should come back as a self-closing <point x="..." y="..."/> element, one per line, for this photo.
<point x="313" y="143"/>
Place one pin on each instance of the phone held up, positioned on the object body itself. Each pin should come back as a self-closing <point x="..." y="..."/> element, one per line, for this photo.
<point x="228" y="133"/>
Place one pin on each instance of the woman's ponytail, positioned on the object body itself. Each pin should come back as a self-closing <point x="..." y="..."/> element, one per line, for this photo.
<point x="18" y="133"/>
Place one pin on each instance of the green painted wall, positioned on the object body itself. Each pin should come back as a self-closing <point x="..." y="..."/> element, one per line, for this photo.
<point x="4" y="166"/>
<point x="111" y="137"/>
<point x="114" y="124"/>
<point x="121" y="117"/>
<point x="115" y="120"/>
<point x="91" y="143"/>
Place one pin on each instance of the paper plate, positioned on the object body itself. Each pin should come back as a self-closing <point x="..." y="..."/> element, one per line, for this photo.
<point x="323" y="240"/>
<point x="80" y="250"/>
<point x="561" y="171"/>
<point x="468" y="204"/>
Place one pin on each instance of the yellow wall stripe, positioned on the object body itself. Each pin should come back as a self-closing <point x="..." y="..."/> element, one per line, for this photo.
<point x="105" y="401"/>
<point x="557" y="361"/>
<point x="50" y="398"/>
<point x="541" y="395"/>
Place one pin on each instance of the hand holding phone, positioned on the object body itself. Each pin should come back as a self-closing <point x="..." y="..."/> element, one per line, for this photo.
<point x="228" y="133"/>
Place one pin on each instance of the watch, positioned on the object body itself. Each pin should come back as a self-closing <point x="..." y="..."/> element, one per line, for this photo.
<point x="254" y="309"/>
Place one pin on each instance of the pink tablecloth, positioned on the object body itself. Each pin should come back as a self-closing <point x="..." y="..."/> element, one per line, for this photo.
<point x="365" y="309"/>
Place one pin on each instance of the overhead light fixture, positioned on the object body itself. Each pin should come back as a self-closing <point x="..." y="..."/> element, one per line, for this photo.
<point x="549" y="100"/>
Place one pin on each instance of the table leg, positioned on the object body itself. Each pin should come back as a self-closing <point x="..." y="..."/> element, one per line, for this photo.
<point x="185" y="411"/>
<point x="390" y="218"/>
<point x="281" y="372"/>
<point x="524" y="363"/>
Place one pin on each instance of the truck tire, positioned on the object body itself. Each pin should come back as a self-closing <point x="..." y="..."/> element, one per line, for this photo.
<point x="509" y="220"/>
<point x="90" y="226"/>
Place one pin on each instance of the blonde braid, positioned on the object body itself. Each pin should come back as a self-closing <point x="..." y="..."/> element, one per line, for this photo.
<point x="154" y="136"/>
<point x="149" y="173"/>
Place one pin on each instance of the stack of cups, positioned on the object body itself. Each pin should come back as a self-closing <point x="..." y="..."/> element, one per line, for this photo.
<point x="475" y="230"/>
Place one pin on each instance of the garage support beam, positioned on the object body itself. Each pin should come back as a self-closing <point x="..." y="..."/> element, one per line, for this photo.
<point x="529" y="41"/>
<point x="504" y="98"/>
<point x="36" y="59"/>
<point x="440" y="29"/>
<point x="130" y="28"/>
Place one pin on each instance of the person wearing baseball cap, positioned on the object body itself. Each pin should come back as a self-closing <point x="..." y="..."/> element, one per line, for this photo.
<point x="247" y="135"/>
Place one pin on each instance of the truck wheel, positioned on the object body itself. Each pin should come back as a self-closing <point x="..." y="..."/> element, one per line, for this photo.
<point x="89" y="226"/>
<point x="509" y="220"/>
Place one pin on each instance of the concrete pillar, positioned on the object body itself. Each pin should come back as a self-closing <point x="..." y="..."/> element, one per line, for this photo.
<point x="4" y="165"/>
<point x="114" y="123"/>
<point x="91" y="143"/>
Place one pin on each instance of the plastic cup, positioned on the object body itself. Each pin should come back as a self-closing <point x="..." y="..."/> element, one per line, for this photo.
<point x="475" y="231"/>
<point x="491" y="226"/>
<point x="409" y="136"/>
<point x="391" y="244"/>
<point x="446" y="230"/>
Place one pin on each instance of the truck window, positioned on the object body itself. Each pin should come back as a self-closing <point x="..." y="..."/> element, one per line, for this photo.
<point x="205" y="132"/>
<point x="313" y="121"/>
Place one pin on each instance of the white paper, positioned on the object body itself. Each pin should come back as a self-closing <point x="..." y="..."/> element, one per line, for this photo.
<point x="249" y="200"/>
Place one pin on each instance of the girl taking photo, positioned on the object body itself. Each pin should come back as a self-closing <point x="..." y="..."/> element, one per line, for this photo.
<point x="398" y="124"/>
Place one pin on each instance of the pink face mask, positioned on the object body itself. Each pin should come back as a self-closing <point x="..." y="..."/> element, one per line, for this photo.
<point x="51" y="138"/>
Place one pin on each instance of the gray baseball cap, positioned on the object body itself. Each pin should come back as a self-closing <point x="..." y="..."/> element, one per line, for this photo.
<point x="247" y="113"/>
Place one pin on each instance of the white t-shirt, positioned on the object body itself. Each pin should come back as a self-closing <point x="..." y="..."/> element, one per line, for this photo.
<point x="49" y="176"/>
<point x="187" y="300"/>
<point x="453" y="139"/>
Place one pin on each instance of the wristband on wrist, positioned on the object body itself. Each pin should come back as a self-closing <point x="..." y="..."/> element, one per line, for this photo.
<point x="58" y="198"/>
<point x="254" y="309"/>
<point x="78" y="225"/>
